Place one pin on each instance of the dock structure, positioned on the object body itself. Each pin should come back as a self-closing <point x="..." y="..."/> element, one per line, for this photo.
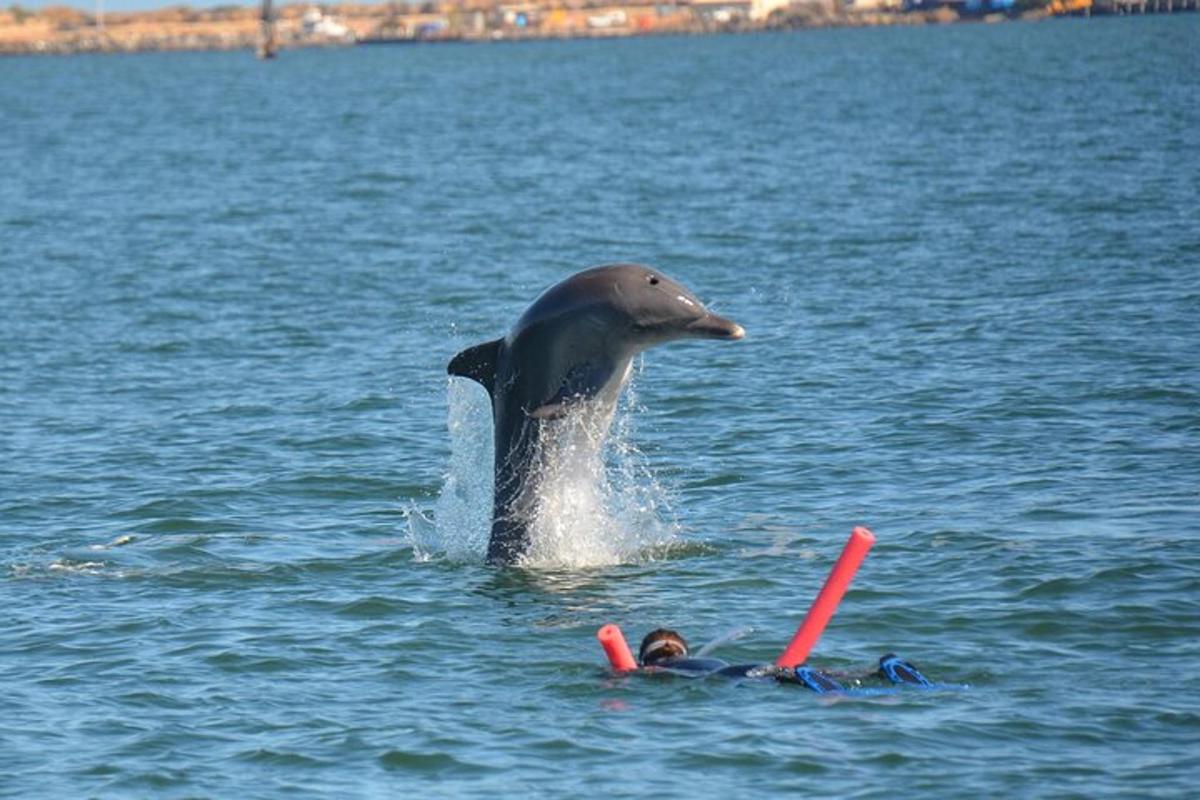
<point x="1148" y="6"/>
<point x="266" y="31"/>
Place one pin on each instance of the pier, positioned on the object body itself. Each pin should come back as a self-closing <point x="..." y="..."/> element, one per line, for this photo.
<point x="1146" y="6"/>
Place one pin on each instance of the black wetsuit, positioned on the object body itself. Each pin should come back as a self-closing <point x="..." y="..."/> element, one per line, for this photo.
<point x="705" y="667"/>
<point x="891" y="668"/>
<point x="702" y="667"/>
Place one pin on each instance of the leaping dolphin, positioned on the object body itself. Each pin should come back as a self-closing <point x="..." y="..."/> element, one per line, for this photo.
<point x="574" y="345"/>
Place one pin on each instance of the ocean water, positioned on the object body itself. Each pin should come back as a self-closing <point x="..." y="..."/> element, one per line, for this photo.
<point x="243" y="509"/>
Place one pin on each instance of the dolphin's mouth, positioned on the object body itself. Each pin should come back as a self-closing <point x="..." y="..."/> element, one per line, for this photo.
<point x="711" y="326"/>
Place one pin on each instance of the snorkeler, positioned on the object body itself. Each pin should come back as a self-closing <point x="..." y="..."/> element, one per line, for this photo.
<point x="665" y="650"/>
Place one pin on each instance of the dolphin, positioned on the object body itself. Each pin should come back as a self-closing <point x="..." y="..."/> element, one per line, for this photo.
<point x="573" y="348"/>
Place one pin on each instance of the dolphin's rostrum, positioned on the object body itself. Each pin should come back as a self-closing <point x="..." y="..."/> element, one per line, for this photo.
<point x="574" y="345"/>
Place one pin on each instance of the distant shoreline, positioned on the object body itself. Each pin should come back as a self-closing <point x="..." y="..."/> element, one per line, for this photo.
<point x="59" y="30"/>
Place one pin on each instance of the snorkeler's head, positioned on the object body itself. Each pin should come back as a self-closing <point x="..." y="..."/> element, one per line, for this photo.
<point x="660" y="645"/>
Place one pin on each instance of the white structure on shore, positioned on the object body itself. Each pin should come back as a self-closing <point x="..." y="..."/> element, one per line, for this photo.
<point x="761" y="9"/>
<point x="728" y="10"/>
<point x="316" y="23"/>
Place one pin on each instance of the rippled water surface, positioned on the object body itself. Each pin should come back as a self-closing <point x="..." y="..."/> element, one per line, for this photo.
<point x="968" y="262"/>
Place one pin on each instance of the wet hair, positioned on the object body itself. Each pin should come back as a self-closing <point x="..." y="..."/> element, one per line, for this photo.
<point x="661" y="644"/>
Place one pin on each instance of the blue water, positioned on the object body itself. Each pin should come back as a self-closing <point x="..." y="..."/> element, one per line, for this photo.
<point x="968" y="262"/>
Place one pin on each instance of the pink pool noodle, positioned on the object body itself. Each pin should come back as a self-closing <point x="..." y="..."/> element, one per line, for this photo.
<point x="616" y="648"/>
<point x="827" y="600"/>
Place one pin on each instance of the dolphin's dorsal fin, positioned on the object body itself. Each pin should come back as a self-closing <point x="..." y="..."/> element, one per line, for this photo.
<point x="478" y="363"/>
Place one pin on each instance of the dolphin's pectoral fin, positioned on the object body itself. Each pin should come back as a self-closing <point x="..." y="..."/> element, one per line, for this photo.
<point x="582" y="382"/>
<point x="478" y="363"/>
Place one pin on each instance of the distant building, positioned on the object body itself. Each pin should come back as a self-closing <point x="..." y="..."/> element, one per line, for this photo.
<point x="722" y="11"/>
<point x="614" y="18"/>
<point x="875" y="5"/>
<point x="316" y="23"/>
<point x="963" y="7"/>
<point x="761" y="9"/>
<point x="519" y="15"/>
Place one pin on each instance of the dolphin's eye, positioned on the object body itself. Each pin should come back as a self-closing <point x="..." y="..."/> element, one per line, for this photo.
<point x="653" y="279"/>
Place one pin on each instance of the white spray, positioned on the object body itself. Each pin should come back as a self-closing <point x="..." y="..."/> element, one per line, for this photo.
<point x="597" y="502"/>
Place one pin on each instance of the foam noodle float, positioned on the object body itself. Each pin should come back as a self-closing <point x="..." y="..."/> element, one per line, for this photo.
<point x="819" y="614"/>
<point x="616" y="648"/>
<point x="827" y="600"/>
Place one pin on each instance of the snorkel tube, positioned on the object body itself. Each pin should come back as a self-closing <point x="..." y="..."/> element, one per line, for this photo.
<point x="827" y="599"/>
<point x="616" y="648"/>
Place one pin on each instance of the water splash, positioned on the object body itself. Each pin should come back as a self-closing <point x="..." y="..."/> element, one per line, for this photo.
<point x="598" y="503"/>
<point x="462" y="518"/>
